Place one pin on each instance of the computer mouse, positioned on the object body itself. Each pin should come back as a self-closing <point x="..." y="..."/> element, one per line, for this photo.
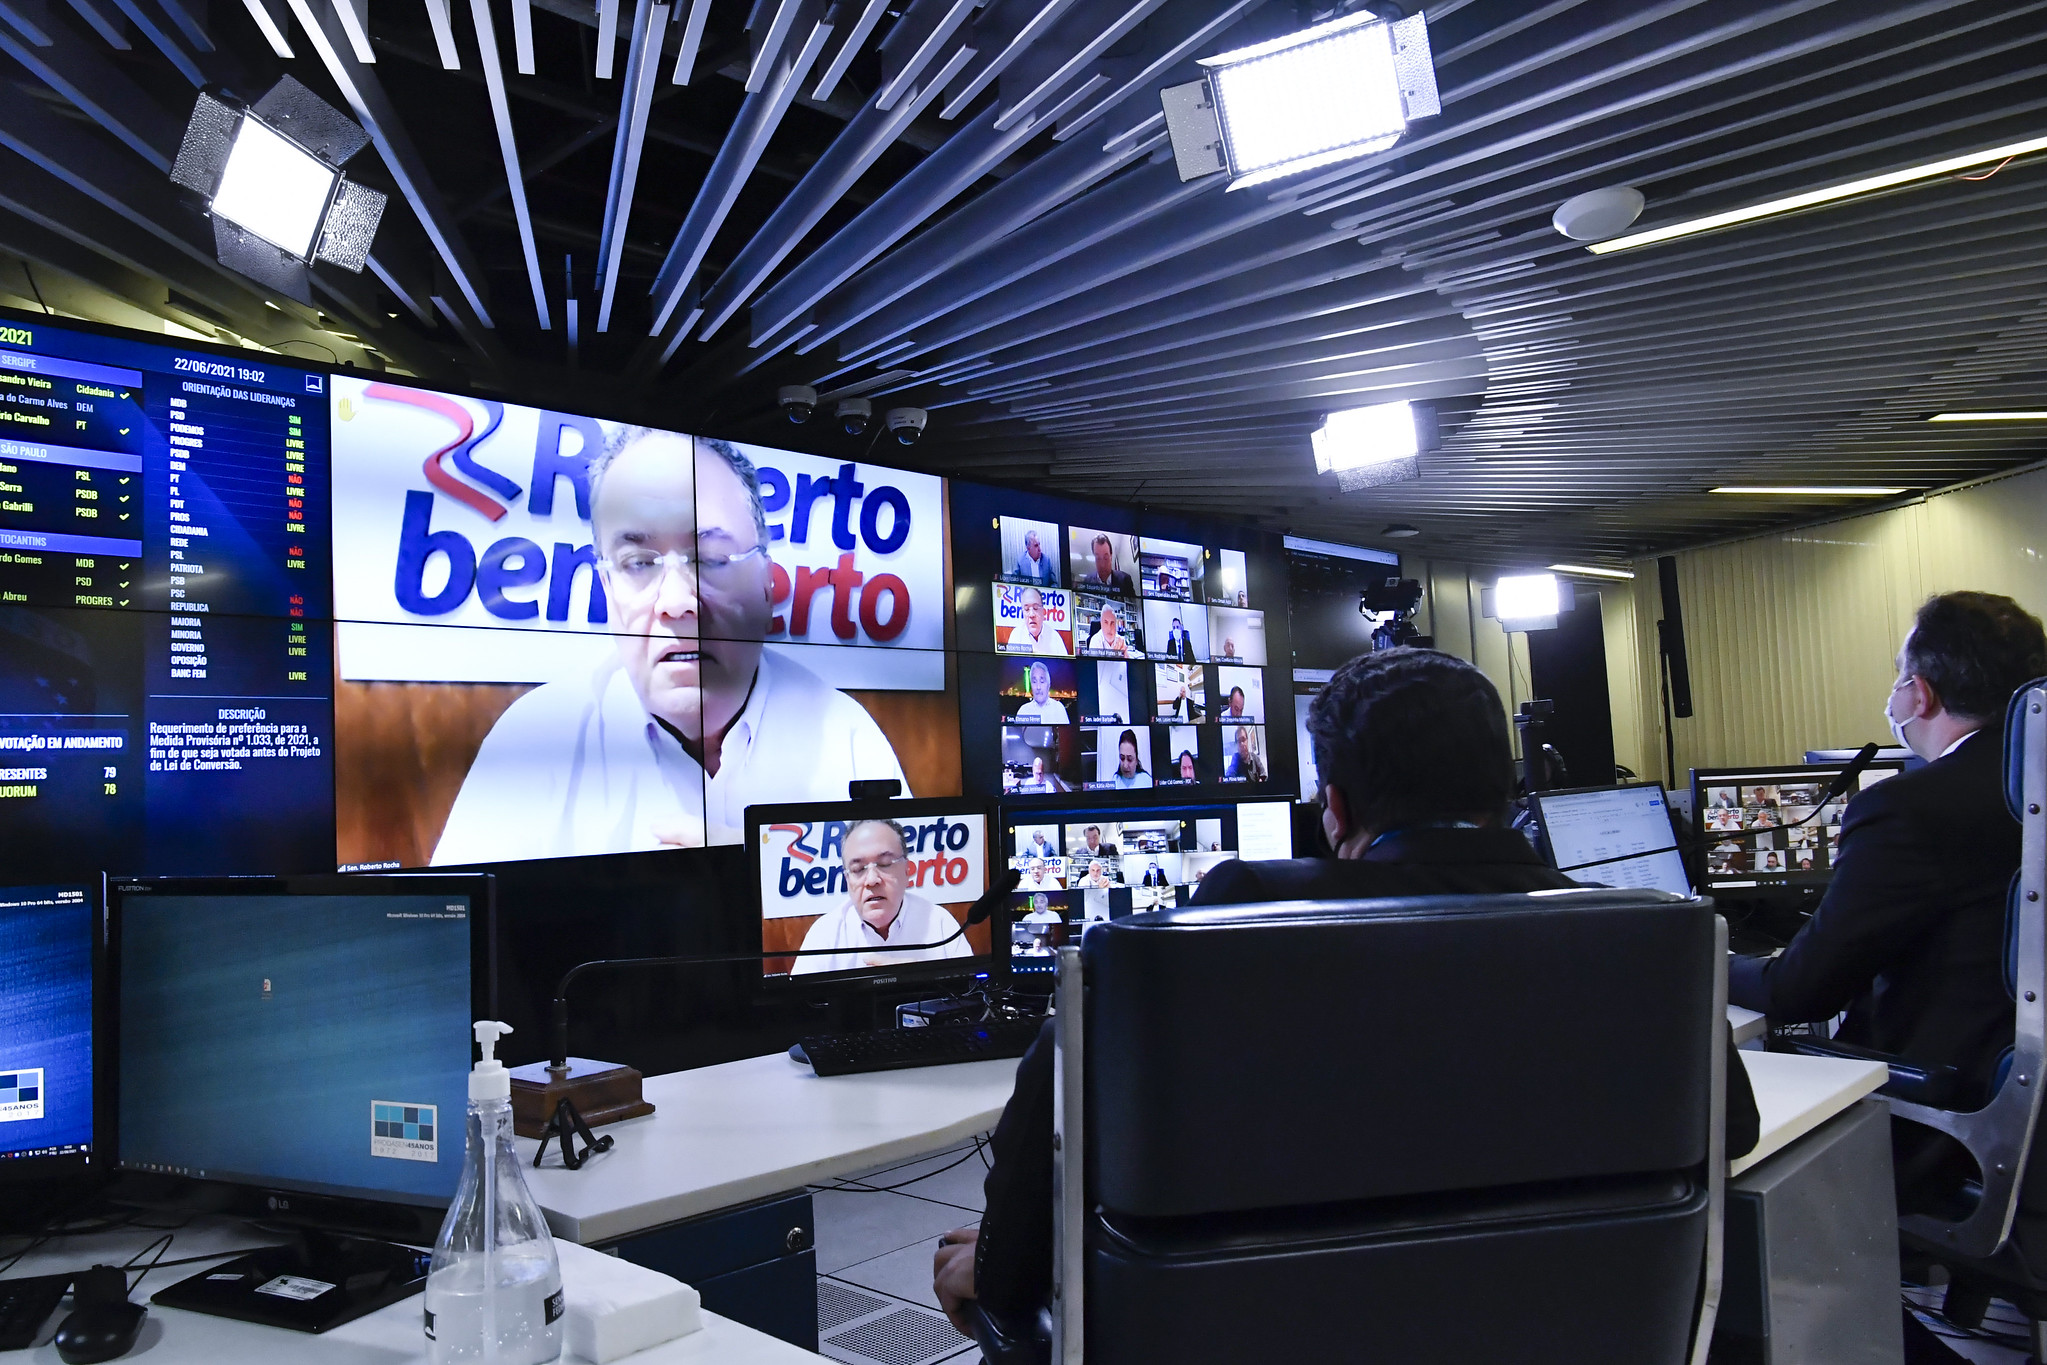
<point x="99" y="1331"/>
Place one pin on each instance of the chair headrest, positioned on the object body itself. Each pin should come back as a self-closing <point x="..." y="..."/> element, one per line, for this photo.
<point x="2015" y="749"/>
<point x="1268" y="1056"/>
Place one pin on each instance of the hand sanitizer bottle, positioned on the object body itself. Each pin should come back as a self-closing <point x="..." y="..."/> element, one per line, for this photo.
<point x="494" y="1294"/>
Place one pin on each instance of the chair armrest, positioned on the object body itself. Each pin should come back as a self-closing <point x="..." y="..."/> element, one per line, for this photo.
<point x="1007" y="1340"/>
<point x="1936" y="1087"/>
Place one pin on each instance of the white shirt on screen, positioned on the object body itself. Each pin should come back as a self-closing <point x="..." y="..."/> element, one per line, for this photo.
<point x="1047" y="641"/>
<point x="919" y="921"/>
<point x="578" y="766"/>
<point x="1101" y="641"/>
<point x="1047" y="712"/>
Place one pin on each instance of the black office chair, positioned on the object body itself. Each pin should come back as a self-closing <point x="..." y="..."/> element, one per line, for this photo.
<point x="1406" y="1131"/>
<point x="1993" y="1239"/>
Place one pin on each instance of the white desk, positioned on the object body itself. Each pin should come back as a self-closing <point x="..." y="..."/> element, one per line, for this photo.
<point x="389" y="1336"/>
<point x="1748" y="1025"/>
<point x="1795" y="1095"/>
<point x="725" y="1135"/>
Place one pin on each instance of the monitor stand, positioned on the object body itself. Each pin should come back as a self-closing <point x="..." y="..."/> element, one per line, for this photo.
<point x="316" y="1281"/>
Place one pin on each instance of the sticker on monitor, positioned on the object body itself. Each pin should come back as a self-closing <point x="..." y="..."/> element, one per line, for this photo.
<point x="406" y="1132"/>
<point x="21" y="1095"/>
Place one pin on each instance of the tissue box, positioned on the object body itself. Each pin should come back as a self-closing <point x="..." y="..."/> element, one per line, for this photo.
<point x="616" y="1308"/>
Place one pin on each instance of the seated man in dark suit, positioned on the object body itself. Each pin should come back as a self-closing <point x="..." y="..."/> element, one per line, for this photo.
<point x="1417" y="776"/>
<point x="1909" y="938"/>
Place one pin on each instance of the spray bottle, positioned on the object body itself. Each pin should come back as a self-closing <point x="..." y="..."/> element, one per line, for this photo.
<point x="494" y="1294"/>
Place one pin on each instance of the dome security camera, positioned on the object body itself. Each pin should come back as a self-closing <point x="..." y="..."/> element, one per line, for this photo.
<point x="797" y="402"/>
<point x="906" y="424"/>
<point x="854" y="414"/>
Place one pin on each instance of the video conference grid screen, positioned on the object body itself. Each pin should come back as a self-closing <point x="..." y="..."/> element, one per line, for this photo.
<point x="845" y="880"/>
<point x="1083" y="865"/>
<point x="311" y="1043"/>
<point x="1131" y="662"/>
<point x="46" y="940"/>
<point x="1615" y="836"/>
<point x="1759" y="829"/>
<point x="256" y="618"/>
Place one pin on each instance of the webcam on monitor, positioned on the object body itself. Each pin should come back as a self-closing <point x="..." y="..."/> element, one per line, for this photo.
<point x="874" y="788"/>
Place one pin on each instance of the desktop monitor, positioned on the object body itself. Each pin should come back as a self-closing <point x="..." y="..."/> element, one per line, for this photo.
<point x="1613" y="836"/>
<point x="48" y="940"/>
<point x="1764" y="830"/>
<point x="298" y="1046"/>
<point x="1084" y="864"/>
<point x="857" y="876"/>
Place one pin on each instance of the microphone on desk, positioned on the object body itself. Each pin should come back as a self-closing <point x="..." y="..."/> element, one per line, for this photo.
<point x="611" y="1093"/>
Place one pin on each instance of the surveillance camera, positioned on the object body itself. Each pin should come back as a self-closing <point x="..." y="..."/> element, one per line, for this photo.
<point x="797" y="402"/>
<point x="855" y="414"/>
<point x="907" y="424"/>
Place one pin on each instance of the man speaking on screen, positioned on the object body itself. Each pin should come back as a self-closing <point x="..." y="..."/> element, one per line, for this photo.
<point x="879" y="910"/>
<point x="667" y="744"/>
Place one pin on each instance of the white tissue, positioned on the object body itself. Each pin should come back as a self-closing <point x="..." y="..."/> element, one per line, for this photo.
<point x="616" y="1307"/>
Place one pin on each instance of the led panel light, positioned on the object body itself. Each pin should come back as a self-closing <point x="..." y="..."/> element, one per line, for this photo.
<point x="1365" y="447"/>
<point x="273" y="188"/>
<point x="1527" y="597"/>
<point x="1591" y="571"/>
<point x="1339" y="90"/>
<point x="1988" y="417"/>
<point x="1825" y="195"/>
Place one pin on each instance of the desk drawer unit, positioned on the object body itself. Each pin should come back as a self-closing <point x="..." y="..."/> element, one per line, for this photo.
<point x="755" y="1264"/>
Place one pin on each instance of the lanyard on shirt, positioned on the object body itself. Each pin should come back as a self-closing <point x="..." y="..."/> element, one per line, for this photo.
<point x="1433" y="824"/>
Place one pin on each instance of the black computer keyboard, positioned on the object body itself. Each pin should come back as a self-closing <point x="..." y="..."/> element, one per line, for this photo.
<point x="25" y="1305"/>
<point x="841" y="1054"/>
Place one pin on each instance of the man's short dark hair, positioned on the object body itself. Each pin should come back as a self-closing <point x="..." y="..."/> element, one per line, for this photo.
<point x="1413" y="736"/>
<point x="1975" y="649"/>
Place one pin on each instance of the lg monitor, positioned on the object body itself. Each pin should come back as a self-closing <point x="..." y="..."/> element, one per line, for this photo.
<point x="298" y="1047"/>
<point x="862" y="878"/>
<point x="1767" y="830"/>
<point x="1084" y="864"/>
<point x="1613" y="836"/>
<point x="48" y="940"/>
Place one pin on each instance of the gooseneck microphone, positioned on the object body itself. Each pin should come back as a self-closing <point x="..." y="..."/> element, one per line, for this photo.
<point x="1843" y="780"/>
<point x="558" y="1062"/>
<point x="1864" y="756"/>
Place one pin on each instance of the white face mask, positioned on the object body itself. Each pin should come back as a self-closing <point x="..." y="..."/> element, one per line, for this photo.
<point x="1897" y="726"/>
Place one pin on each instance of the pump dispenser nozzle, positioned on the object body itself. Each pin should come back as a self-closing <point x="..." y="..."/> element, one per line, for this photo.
<point x="489" y="1080"/>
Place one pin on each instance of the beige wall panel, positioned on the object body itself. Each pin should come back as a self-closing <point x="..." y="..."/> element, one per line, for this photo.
<point x="1791" y="636"/>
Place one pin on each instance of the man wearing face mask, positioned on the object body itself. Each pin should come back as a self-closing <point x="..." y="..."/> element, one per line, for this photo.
<point x="1909" y="938"/>
<point x="692" y="720"/>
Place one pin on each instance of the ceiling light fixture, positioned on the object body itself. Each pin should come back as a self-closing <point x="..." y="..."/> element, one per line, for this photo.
<point x="1826" y="195"/>
<point x="1591" y="571"/>
<point x="272" y="178"/>
<point x="1988" y="417"/>
<point x="1808" y="491"/>
<point x="1367" y="447"/>
<point x="1326" y="94"/>
<point x="1400" y="530"/>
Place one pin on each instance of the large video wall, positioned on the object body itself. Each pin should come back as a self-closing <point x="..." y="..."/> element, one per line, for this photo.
<point x="259" y="618"/>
